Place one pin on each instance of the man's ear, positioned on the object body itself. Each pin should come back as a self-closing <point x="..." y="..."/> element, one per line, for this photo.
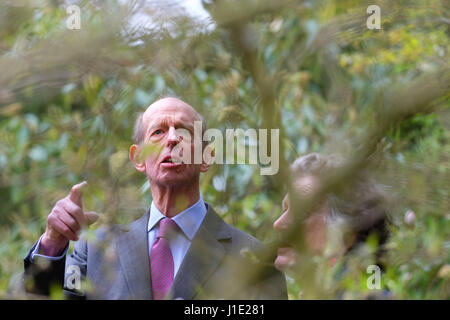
<point x="207" y="160"/>
<point x="134" y="157"/>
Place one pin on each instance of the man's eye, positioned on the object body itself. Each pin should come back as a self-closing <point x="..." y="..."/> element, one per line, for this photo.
<point x="159" y="131"/>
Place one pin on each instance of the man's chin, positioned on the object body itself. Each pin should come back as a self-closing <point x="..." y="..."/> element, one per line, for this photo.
<point x="173" y="179"/>
<point x="286" y="258"/>
<point x="171" y="182"/>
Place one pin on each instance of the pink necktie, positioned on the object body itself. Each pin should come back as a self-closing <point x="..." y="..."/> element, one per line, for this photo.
<point x="161" y="260"/>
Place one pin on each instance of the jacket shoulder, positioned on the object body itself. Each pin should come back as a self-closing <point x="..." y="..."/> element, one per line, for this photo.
<point x="243" y="239"/>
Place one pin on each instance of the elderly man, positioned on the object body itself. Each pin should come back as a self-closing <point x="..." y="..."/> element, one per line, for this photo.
<point x="180" y="248"/>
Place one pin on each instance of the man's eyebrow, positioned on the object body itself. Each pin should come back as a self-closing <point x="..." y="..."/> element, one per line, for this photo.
<point x="152" y="127"/>
<point x="178" y="124"/>
<point x="189" y="125"/>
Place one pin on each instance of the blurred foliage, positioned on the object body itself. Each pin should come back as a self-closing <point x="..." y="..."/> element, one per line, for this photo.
<point x="69" y="98"/>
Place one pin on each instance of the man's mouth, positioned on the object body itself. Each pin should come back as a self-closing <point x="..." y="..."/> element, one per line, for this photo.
<point x="169" y="162"/>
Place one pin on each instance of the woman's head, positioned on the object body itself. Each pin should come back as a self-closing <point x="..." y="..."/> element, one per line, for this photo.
<point x="352" y="211"/>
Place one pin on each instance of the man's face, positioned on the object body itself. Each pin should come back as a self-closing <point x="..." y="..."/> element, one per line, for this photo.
<point x="162" y="122"/>
<point x="314" y="226"/>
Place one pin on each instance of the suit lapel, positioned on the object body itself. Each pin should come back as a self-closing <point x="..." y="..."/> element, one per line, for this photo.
<point x="203" y="257"/>
<point x="133" y="253"/>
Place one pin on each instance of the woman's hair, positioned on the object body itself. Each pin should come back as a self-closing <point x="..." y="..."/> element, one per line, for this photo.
<point x="360" y="203"/>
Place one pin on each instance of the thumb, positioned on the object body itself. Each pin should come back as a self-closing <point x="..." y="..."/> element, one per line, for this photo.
<point x="91" y="217"/>
<point x="75" y="194"/>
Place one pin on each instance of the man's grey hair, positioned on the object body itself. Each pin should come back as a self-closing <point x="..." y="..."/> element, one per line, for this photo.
<point x="363" y="198"/>
<point x="314" y="164"/>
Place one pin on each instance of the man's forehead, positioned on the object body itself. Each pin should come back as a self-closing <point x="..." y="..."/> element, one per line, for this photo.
<point x="307" y="185"/>
<point x="170" y="109"/>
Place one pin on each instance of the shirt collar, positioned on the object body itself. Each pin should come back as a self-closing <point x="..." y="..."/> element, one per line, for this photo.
<point x="188" y="220"/>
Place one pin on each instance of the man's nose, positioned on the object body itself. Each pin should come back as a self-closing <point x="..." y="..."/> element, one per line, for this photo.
<point x="172" y="137"/>
<point x="283" y="222"/>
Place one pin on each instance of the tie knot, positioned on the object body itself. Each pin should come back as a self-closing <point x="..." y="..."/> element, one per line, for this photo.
<point x="167" y="228"/>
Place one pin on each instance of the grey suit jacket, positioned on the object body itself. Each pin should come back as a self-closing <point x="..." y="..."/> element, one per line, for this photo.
<point x="116" y="265"/>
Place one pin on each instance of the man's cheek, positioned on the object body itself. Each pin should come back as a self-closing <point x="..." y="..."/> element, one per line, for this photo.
<point x="316" y="235"/>
<point x="150" y="164"/>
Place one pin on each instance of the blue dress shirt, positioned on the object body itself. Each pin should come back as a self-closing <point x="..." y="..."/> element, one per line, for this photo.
<point x="188" y="222"/>
<point x="36" y="254"/>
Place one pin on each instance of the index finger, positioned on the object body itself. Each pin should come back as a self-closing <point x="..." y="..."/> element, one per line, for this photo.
<point x="75" y="193"/>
